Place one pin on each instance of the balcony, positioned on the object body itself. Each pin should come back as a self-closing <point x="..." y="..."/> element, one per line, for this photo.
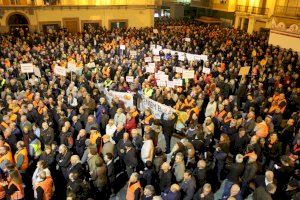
<point x="284" y="11"/>
<point x="252" y="10"/>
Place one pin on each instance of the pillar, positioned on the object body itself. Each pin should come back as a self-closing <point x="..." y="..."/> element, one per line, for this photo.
<point x="251" y="25"/>
<point x="242" y="23"/>
<point x="177" y="11"/>
<point x="237" y="22"/>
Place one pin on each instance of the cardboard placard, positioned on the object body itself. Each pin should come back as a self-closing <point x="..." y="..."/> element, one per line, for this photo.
<point x="26" y="68"/>
<point x="155" y="52"/>
<point x="156" y="58"/>
<point x="72" y="66"/>
<point x="152" y="46"/>
<point x="161" y="83"/>
<point x="178" y="69"/>
<point x="181" y="57"/>
<point x="129" y="79"/>
<point x="148" y="59"/>
<point x="188" y="39"/>
<point x="177" y="82"/>
<point x="206" y="70"/>
<point x="188" y="74"/>
<point x="150" y="68"/>
<point x="159" y="47"/>
<point x="61" y="71"/>
<point x="190" y="57"/>
<point x="170" y="84"/>
<point x="244" y="71"/>
<point x="37" y="71"/>
<point x="133" y="53"/>
<point x="122" y="47"/>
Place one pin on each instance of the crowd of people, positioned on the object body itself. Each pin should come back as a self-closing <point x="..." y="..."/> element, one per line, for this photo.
<point x="61" y="137"/>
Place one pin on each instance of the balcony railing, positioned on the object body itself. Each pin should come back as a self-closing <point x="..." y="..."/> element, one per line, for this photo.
<point x="252" y="10"/>
<point x="287" y="11"/>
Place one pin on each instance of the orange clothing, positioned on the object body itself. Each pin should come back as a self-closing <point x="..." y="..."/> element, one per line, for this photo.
<point x="23" y="152"/>
<point x="262" y="129"/>
<point x="19" y="194"/>
<point x="148" y="119"/>
<point x="94" y="137"/>
<point x="131" y="189"/>
<point x="47" y="186"/>
<point x="7" y="157"/>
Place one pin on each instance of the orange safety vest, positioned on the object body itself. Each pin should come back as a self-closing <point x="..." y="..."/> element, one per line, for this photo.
<point x="135" y="114"/>
<point x="8" y="156"/>
<point x="94" y="137"/>
<point x="19" y="194"/>
<point x="25" y="155"/>
<point x="187" y="103"/>
<point x="4" y="124"/>
<point x="196" y="111"/>
<point x="147" y="119"/>
<point x="131" y="189"/>
<point x="47" y="186"/>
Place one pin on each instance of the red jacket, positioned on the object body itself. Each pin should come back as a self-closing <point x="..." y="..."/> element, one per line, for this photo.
<point x="130" y="124"/>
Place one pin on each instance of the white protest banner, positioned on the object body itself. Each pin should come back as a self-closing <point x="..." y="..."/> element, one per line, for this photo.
<point x="148" y="59"/>
<point x="163" y="77"/>
<point x="150" y="68"/>
<point x="177" y="82"/>
<point x="178" y="69"/>
<point x="133" y="53"/>
<point x="91" y="65"/>
<point x="61" y="71"/>
<point x="159" y="47"/>
<point x="155" y="31"/>
<point x="170" y="84"/>
<point x="166" y="51"/>
<point x="173" y="52"/>
<point x="129" y="79"/>
<point x="155" y="52"/>
<point x="126" y="97"/>
<point x="37" y="71"/>
<point x="189" y="74"/>
<point x="72" y="67"/>
<point x="157" y="109"/>
<point x="181" y="57"/>
<point x="27" y="68"/>
<point x="188" y="39"/>
<point x="122" y="47"/>
<point x="206" y="70"/>
<point x="190" y="57"/>
<point x="152" y="46"/>
<point x="161" y="83"/>
<point x="156" y="58"/>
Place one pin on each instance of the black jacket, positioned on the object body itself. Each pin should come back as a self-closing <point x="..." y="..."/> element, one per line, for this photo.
<point x="200" y="176"/>
<point x="165" y="180"/>
<point x="131" y="158"/>
<point x="250" y="172"/>
<point x="236" y="170"/>
<point x="47" y="136"/>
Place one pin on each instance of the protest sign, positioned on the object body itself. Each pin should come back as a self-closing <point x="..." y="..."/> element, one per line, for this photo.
<point x="37" y="71"/>
<point x="126" y="97"/>
<point x="244" y="71"/>
<point x="129" y="79"/>
<point x="150" y="68"/>
<point x="188" y="74"/>
<point x="178" y="69"/>
<point x="122" y="47"/>
<point x="161" y="83"/>
<point x="148" y="59"/>
<point x="72" y="67"/>
<point x="156" y="58"/>
<point x="177" y="82"/>
<point x="155" y="31"/>
<point x="27" y="68"/>
<point x="133" y="53"/>
<point x="61" y="71"/>
<point x="206" y="70"/>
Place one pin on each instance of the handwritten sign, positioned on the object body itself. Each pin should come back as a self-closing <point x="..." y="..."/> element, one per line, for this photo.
<point x="129" y="79"/>
<point x="244" y="71"/>
<point x="133" y="53"/>
<point x="156" y="58"/>
<point x="161" y="83"/>
<point x="72" y="66"/>
<point x="61" y="71"/>
<point x="206" y="70"/>
<point x="155" y="52"/>
<point x="177" y="82"/>
<point x="27" y="68"/>
<point x="122" y="47"/>
<point x="188" y="74"/>
<point x="188" y="39"/>
<point x="178" y="70"/>
<point x="150" y="68"/>
<point x="170" y="84"/>
<point x="148" y="59"/>
<point x="37" y="71"/>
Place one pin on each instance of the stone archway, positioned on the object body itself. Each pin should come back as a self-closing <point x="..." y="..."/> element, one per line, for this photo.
<point x="16" y="21"/>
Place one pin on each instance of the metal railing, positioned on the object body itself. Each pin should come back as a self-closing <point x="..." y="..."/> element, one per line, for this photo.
<point x="252" y="10"/>
<point x="287" y="11"/>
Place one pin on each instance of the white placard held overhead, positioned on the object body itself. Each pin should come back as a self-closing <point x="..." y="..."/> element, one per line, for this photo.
<point x="155" y="52"/>
<point x="181" y="57"/>
<point x="188" y="39"/>
<point x="178" y="69"/>
<point x="159" y="47"/>
<point x="72" y="67"/>
<point x="166" y="51"/>
<point x="155" y="30"/>
<point x="177" y="82"/>
<point x="122" y="47"/>
<point x="206" y="70"/>
<point x="129" y="79"/>
<point x="170" y="84"/>
<point x="190" y="57"/>
<point x="150" y="68"/>
<point x="27" y="68"/>
<point x="163" y="77"/>
<point x="133" y="53"/>
<point x="189" y="74"/>
<point x="61" y="71"/>
<point x="148" y="59"/>
<point x="156" y="58"/>
<point x="161" y="83"/>
<point x="152" y="46"/>
<point x="37" y="71"/>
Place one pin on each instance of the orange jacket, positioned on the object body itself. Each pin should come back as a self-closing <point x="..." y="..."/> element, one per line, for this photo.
<point x="23" y="152"/>
<point x="47" y="186"/>
<point x="131" y="189"/>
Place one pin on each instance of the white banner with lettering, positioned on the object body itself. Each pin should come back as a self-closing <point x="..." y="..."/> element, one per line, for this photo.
<point x="126" y="97"/>
<point x="157" y="109"/>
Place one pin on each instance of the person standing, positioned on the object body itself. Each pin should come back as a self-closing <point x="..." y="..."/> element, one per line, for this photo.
<point x="147" y="150"/>
<point x="134" y="189"/>
<point x="130" y="158"/>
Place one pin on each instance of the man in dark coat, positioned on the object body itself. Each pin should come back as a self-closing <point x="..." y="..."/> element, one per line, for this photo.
<point x="264" y="193"/>
<point x="165" y="177"/>
<point x="63" y="160"/>
<point x="200" y="173"/>
<point x="75" y="167"/>
<point x="47" y="134"/>
<point x="130" y="158"/>
<point x="188" y="186"/>
<point x="108" y="158"/>
<point x="172" y="194"/>
<point x="168" y="126"/>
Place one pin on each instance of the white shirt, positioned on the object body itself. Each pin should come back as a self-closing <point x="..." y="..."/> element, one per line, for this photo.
<point x="210" y="109"/>
<point x="147" y="151"/>
<point x="110" y="130"/>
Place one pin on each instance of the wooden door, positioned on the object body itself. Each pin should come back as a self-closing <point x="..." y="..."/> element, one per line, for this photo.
<point x="72" y="25"/>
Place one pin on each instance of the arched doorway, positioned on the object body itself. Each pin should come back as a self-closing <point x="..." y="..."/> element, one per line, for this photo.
<point x="17" y="22"/>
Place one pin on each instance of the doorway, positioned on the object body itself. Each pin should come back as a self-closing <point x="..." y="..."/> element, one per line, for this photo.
<point x="118" y="24"/>
<point x="18" y="23"/>
<point x="71" y="24"/>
